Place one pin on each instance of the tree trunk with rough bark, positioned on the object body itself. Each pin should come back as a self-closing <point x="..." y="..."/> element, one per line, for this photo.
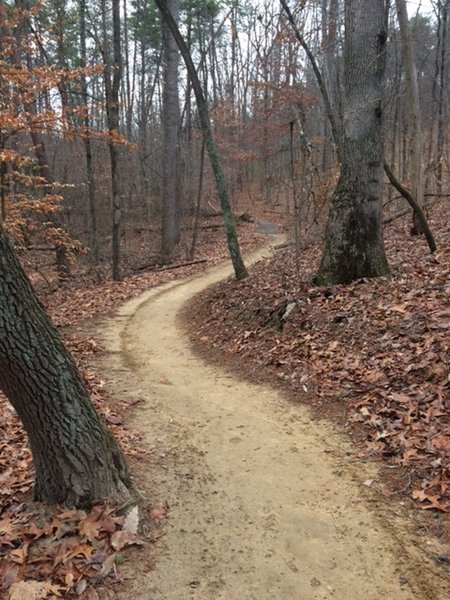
<point x="354" y="245"/>
<point x="76" y="459"/>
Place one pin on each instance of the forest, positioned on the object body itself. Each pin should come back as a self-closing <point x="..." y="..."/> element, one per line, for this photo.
<point x="286" y="164"/>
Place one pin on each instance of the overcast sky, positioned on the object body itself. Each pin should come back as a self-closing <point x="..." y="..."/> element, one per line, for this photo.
<point x="424" y="5"/>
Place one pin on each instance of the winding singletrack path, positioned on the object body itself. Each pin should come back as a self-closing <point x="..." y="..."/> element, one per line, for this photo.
<point x="265" y="501"/>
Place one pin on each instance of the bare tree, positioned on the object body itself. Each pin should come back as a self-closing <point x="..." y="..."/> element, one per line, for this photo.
<point x="202" y="105"/>
<point x="113" y="71"/>
<point x="413" y="108"/>
<point x="92" y="203"/>
<point x="170" y="221"/>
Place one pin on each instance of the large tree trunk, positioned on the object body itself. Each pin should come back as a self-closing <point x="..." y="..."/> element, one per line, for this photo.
<point x="170" y="221"/>
<point x="354" y="243"/>
<point x="76" y="459"/>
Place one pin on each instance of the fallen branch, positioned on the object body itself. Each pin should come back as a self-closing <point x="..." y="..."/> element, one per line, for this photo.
<point x="286" y="244"/>
<point x="417" y="209"/>
<point x="209" y="226"/>
<point x="184" y="264"/>
<point x="407" y="211"/>
<point x="41" y="248"/>
<point x="397" y="215"/>
<point x="152" y="267"/>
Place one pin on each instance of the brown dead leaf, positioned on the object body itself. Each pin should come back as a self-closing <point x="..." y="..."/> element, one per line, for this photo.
<point x="89" y="594"/>
<point x="400" y="308"/>
<point x="28" y="590"/>
<point x="108" y="524"/>
<point x="90" y="528"/>
<point x="401" y="398"/>
<point x="37" y="532"/>
<point x="158" y="513"/>
<point x="19" y="556"/>
<point x="120" y="539"/>
<point x="107" y="566"/>
<point x="8" y="575"/>
<point x="441" y="442"/>
<point x="368" y="482"/>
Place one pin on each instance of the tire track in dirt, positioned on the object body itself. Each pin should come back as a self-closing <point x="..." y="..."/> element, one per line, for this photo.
<point x="264" y="502"/>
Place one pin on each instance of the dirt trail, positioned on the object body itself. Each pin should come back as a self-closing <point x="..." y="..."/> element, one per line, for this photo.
<point x="265" y="502"/>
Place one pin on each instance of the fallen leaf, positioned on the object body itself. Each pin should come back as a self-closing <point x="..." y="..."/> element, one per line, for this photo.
<point x="27" y="590"/>
<point x="120" y="539"/>
<point x="368" y="482"/>
<point x="90" y="594"/>
<point x="132" y="521"/>
<point x="158" y="513"/>
<point x="19" y="556"/>
<point x="107" y="566"/>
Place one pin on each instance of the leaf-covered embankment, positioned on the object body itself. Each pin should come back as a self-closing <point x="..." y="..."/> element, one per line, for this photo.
<point x="374" y="354"/>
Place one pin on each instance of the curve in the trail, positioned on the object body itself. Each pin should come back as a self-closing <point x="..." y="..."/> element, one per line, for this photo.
<point x="265" y="503"/>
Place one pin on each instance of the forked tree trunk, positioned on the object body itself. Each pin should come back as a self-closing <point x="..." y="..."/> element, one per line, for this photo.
<point x="353" y="239"/>
<point x="76" y="459"/>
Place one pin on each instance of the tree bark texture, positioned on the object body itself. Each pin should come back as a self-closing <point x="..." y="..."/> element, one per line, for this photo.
<point x="76" y="459"/>
<point x="354" y="245"/>
<point x="170" y="222"/>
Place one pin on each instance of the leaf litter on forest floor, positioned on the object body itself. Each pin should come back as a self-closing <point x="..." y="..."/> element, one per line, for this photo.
<point x="373" y="354"/>
<point x="51" y="552"/>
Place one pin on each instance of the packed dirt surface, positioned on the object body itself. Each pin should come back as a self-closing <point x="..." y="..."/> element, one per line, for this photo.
<point x="266" y="502"/>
